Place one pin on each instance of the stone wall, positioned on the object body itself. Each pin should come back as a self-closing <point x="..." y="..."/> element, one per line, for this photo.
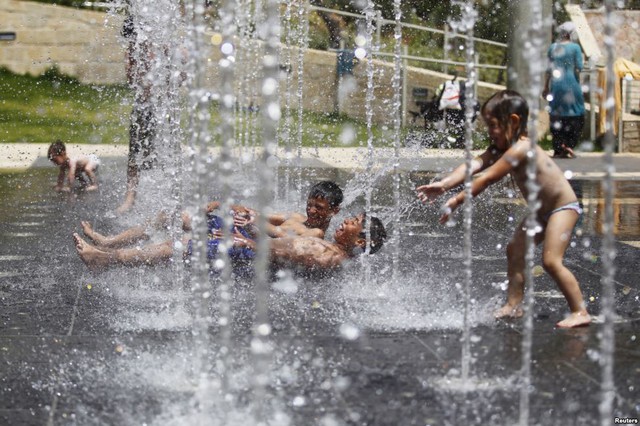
<point x="84" y="44"/>
<point x="627" y="32"/>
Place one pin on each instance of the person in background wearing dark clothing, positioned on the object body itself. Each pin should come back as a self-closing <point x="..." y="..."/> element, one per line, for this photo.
<point x="563" y="91"/>
<point x="142" y="128"/>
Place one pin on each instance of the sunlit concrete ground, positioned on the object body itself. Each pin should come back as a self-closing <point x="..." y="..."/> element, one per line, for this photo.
<point x="369" y="347"/>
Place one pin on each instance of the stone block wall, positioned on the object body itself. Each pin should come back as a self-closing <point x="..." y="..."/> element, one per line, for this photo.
<point x="81" y="43"/>
<point x="627" y="32"/>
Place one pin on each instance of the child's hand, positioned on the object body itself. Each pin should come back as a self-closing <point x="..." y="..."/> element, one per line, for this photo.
<point x="448" y="208"/>
<point x="213" y="205"/>
<point x="243" y="216"/>
<point x="430" y="192"/>
<point x="240" y="240"/>
<point x="241" y="220"/>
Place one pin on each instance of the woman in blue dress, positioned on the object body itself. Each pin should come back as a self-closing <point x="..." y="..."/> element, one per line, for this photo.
<point x="564" y="93"/>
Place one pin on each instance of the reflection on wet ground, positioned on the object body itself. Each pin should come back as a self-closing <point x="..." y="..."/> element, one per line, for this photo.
<point x="626" y="207"/>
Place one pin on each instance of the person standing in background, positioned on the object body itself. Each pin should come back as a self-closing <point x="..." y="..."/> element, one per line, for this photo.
<point x="563" y="91"/>
<point x="142" y="128"/>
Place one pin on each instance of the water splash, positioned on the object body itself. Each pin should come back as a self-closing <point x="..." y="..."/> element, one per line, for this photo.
<point x="531" y="47"/>
<point x="607" y="345"/>
<point x="397" y="127"/>
<point x="466" y="24"/>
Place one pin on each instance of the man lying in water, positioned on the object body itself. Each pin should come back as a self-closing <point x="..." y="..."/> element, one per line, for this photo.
<point x="315" y="253"/>
<point x="307" y="252"/>
<point x="323" y="203"/>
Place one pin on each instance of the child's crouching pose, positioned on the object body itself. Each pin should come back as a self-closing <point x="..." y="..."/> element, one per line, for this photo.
<point x="506" y="114"/>
<point x="81" y="168"/>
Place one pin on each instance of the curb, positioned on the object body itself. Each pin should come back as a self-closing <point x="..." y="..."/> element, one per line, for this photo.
<point x="23" y="156"/>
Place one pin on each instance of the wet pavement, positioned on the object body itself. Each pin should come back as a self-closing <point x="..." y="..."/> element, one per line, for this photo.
<point x="373" y="346"/>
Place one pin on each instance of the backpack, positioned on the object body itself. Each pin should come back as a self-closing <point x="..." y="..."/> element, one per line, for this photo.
<point x="450" y="96"/>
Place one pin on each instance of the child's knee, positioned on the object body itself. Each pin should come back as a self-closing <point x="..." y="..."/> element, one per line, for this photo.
<point x="552" y="264"/>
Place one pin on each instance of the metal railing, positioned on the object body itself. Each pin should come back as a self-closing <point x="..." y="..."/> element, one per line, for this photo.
<point x="379" y="22"/>
<point x="101" y="4"/>
<point x="440" y="61"/>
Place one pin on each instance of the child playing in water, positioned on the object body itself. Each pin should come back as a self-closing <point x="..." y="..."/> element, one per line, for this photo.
<point x="506" y="114"/>
<point x="82" y="168"/>
<point x="323" y="203"/>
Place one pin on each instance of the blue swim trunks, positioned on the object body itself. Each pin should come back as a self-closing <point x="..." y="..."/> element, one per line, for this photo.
<point x="214" y="223"/>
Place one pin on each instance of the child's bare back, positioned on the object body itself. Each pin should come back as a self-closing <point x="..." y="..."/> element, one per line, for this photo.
<point x="82" y="168"/>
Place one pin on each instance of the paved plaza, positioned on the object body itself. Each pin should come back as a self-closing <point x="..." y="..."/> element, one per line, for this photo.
<point x="379" y="344"/>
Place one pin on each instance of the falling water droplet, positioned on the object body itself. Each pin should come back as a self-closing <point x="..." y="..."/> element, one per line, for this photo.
<point x="349" y="331"/>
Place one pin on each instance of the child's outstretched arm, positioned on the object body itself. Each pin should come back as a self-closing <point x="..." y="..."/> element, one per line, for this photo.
<point x="92" y="178"/>
<point x="277" y="219"/>
<point x="433" y="190"/>
<point x="513" y="157"/>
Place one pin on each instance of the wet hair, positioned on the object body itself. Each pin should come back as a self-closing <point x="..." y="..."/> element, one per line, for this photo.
<point x="378" y="233"/>
<point x="504" y="103"/>
<point x="128" y="28"/>
<point x="327" y="190"/>
<point x="56" y="148"/>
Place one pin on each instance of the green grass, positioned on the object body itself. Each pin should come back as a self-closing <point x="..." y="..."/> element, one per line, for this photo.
<point x="335" y="130"/>
<point x="52" y="106"/>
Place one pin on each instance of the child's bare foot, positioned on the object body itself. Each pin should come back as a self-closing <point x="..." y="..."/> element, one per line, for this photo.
<point x="95" y="259"/>
<point x="509" y="311"/>
<point x="95" y="237"/>
<point x="568" y="152"/>
<point x="575" y="319"/>
<point x="91" y="188"/>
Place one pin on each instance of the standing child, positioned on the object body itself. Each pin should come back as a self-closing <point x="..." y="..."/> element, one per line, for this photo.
<point x="82" y="168"/>
<point x="506" y="114"/>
